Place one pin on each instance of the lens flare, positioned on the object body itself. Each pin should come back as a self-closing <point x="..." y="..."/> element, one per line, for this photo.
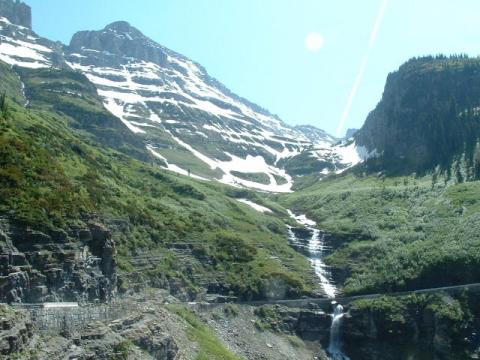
<point x="363" y="67"/>
<point x="314" y="41"/>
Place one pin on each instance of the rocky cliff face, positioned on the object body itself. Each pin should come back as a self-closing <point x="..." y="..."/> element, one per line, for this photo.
<point x="16" y="12"/>
<point x="120" y="40"/>
<point x="137" y="333"/>
<point x="56" y="266"/>
<point x="435" y="327"/>
<point x="350" y="132"/>
<point x="427" y="115"/>
<point x="310" y="323"/>
<point x="315" y="135"/>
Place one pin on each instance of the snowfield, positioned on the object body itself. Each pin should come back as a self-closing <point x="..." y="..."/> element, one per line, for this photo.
<point x="177" y="98"/>
<point x="13" y="51"/>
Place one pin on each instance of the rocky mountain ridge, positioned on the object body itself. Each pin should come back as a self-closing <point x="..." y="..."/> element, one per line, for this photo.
<point x="188" y="121"/>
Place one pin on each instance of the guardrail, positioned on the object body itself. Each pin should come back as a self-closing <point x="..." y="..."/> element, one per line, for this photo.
<point x="71" y="318"/>
<point x="326" y="302"/>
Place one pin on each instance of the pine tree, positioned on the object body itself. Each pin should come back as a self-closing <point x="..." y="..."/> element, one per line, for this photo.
<point x="3" y="104"/>
<point x="434" y="179"/>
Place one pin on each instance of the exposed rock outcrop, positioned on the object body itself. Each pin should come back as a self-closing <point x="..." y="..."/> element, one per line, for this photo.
<point x="56" y="266"/>
<point x="16" y="331"/>
<point x="121" y="39"/>
<point x="310" y="323"/>
<point x="16" y="12"/>
<point x="138" y="331"/>
<point x="17" y="31"/>
<point x="424" y="330"/>
<point x="108" y="341"/>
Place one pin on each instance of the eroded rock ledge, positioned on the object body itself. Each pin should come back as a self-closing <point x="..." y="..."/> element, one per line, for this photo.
<point x="38" y="266"/>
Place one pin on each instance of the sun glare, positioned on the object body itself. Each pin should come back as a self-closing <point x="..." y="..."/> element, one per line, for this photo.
<point x="314" y="41"/>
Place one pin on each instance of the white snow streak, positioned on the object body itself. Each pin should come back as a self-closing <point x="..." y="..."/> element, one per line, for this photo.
<point x="172" y="167"/>
<point x="255" y="206"/>
<point x="251" y="164"/>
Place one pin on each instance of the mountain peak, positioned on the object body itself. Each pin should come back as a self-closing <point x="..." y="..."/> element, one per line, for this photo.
<point x="121" y="40"/>
<point x="16" y="12"/>
<point x="121" y="26"/>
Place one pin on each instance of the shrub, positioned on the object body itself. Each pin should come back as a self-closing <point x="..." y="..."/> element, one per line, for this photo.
<point x="233" y="248"/>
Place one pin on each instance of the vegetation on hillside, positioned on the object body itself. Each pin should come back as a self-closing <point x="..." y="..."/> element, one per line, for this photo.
<point x="304" y="164"/>
<point x="171" y="231"/>
<point x="259" y="177"/>
<point x="396" y="233"/>
<point x="408" y="218"/>
<point x="416" y="326"/>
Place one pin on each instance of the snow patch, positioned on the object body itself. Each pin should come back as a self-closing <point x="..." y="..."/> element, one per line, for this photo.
<point x="255" y="206"/>
<point x="172" y="167"/>
<point x="118" y="110"/>
<point x="301" y="219"/>
<point x="22" y="56"/>
<point x="251" y="164"/>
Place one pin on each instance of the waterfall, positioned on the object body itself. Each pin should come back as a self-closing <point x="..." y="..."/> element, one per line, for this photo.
<point x="314" y="250"/>
<point x="335" y="346"/>
<point x="313" y="247"/>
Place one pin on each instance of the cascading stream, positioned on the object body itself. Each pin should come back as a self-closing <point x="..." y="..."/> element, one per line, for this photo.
<point x="311" y="244"/>
<point x="316" y="249"/>
<point x="335" y="346"/>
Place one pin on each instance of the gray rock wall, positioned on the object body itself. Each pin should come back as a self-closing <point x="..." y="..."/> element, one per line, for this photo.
<point x="38" y="266"/>
<point x="16" y="12"/>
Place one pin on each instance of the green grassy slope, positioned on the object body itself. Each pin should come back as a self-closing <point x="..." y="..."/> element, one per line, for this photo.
<point x="171" y="231"/>
<point x="396" y="233"/>
<point x="71" y="94"/>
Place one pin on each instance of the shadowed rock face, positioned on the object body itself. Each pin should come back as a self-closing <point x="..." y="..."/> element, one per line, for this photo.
<point x="421" y="333"/>
<point x="56" y="266"/>
<point x="16" y="12"/>
<point x="350" y="133"/>
<point x="427" y="113"/>
<point x="310" y="323"/>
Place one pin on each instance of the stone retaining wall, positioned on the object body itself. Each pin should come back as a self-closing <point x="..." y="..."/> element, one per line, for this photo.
<point x="60" y="320"/>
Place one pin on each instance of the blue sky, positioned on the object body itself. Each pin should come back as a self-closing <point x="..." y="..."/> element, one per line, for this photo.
<point x="258" y="49"/>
